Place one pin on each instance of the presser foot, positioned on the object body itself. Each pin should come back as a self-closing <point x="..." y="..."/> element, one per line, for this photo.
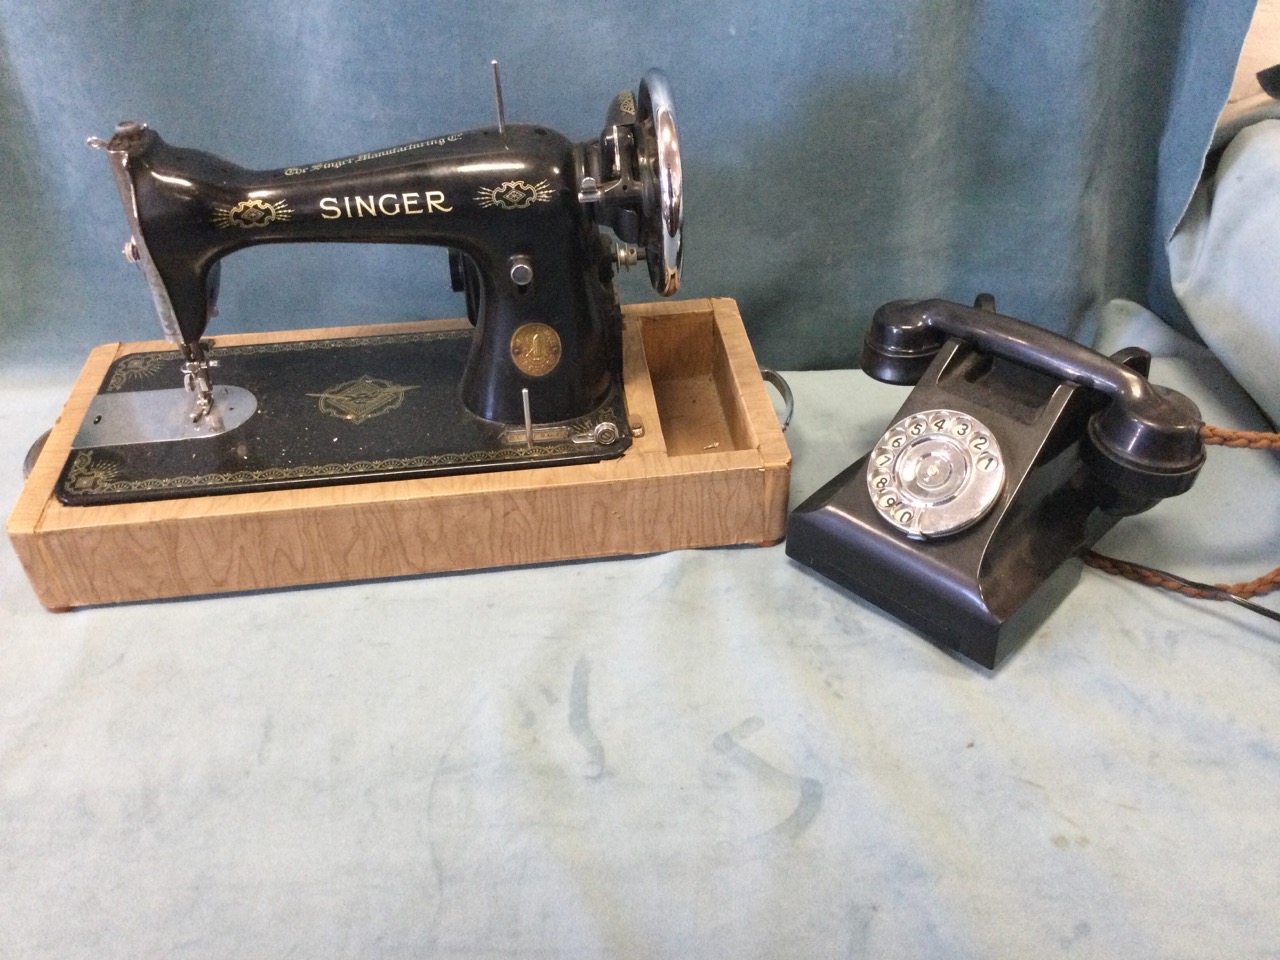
<point x="195" y="377"/>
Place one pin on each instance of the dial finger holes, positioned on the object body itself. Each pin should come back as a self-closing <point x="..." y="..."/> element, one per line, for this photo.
<point x="935" y="473"/>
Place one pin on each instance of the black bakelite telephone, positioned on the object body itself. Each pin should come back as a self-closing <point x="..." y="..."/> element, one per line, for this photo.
<point x="1016" y="451"/>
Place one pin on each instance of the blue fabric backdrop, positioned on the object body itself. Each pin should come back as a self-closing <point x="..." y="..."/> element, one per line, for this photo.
<point x="838" y="153"/>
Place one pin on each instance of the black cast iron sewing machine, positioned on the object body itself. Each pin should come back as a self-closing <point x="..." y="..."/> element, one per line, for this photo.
<point x="250" y="461"/>
<point x="523" y="212"/>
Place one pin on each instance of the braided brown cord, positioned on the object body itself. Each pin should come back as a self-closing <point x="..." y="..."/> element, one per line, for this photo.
<point x="1251" y="439"/>
<point x="1248" y="439"/>
<point x="1151" y="578"/>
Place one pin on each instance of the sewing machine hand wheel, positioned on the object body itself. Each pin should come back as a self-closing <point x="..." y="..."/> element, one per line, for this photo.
<point x="663" y="222"/>
<point x="633" y="178"/>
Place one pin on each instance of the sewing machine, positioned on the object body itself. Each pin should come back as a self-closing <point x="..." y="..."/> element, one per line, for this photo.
<point x="647" y="413"/>
<point x="521" y="209"/>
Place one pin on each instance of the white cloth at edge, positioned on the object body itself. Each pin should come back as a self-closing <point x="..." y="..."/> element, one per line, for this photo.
<point x="1225" y="262"/>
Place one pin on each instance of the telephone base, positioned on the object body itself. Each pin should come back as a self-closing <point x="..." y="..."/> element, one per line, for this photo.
<point x="986" y="638"/>
<point x="956" y="592"/>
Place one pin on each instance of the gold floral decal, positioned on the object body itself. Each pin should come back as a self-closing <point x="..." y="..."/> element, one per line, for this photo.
<point x="138" y="366"/>
<point x="251" y="213"/>
<point x="361" y="399"/>
<point x="515" y="194"/>
<point x="87" y="476"/>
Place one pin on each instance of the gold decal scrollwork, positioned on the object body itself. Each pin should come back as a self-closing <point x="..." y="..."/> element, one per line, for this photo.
<point x="85" y="475"/>
<point x="138" y="366"/>
<point x="361" y="399"/>
<point x="251" y="213"/>
<point x="515" y="194"/>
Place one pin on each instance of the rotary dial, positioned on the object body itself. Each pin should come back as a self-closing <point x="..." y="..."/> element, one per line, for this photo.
<point x="934" y="473"/>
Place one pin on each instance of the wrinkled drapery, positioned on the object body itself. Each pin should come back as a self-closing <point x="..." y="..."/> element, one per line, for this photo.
<point x="837" y="154"/>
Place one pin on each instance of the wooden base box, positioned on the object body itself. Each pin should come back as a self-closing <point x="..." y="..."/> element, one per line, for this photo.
<point x="711" y="468"/>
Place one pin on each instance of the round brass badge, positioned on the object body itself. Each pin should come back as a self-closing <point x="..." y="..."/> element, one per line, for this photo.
<point x="535" y="349"/>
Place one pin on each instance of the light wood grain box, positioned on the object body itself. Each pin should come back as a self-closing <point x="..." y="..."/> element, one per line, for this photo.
<point x="711" y="469"/>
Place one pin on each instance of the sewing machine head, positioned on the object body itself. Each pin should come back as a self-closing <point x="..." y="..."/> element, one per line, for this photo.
<point x="520" y="208"/>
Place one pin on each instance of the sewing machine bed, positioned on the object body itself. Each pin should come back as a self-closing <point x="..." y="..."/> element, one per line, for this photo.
<point x="337" y="410"/>
<point x="708" y="466"/>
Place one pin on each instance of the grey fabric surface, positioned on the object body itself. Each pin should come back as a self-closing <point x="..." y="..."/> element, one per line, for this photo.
<point x="705" y="753"/>
<point x="838" y="154"/>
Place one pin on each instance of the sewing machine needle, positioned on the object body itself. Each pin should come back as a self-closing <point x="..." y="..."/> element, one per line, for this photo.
<point x="497" y="92"/>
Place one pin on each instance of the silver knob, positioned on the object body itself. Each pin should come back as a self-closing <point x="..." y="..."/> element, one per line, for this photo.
<point x="521" y="271"/>
<point x="589" y="191"/>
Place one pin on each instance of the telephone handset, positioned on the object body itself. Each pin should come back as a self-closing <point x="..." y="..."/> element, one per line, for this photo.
<point x="1016" y="451"/>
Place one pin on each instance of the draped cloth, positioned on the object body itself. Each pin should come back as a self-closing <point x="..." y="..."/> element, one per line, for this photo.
<point x="837" y="154"/>
<point x="1226" y="266"/>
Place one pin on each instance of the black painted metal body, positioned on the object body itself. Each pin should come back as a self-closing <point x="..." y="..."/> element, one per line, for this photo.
<point x="524" y="214"/>
<point x="496" y="198"/>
